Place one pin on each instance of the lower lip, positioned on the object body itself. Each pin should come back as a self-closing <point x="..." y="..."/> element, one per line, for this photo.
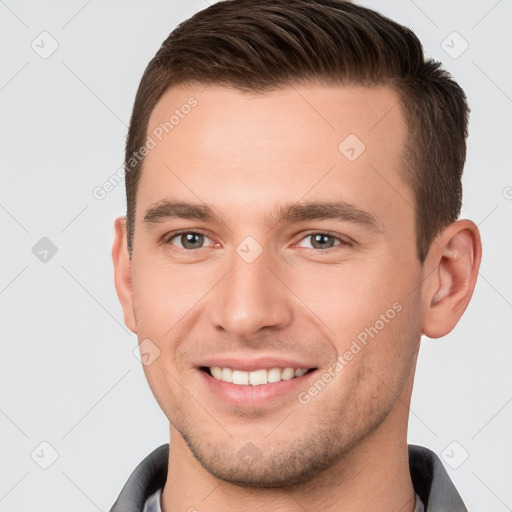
<point x="254" y="396"/>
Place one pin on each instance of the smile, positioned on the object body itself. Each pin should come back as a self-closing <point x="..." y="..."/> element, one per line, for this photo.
<point x="256" y="377"/>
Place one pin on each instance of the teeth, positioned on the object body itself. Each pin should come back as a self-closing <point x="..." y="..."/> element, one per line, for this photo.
<point x="217" y="372"/>
<point x="256" y="377"/>
<point x="227" y="374"/>
<point x="288" y="373"/>
<point x="274" y="375"/>
<point x="240" y="377"/>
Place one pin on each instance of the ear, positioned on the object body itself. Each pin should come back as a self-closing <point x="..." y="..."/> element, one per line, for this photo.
<point x="122" y="272"/>
<point x="451" y="269"/>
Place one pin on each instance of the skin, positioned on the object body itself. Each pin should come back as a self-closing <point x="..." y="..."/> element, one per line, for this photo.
<point x="244" y="155"/>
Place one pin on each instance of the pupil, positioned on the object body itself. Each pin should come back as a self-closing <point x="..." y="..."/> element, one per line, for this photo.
<point x="191" y="240"/>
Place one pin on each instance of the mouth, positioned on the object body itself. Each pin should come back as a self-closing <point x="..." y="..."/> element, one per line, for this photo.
<point x="266" y="382"/>
<point x="258" y="377"/>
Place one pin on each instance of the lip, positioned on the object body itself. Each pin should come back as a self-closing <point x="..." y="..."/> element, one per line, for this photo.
<point x="250" y="365"/>
<point x="252" y="397"/>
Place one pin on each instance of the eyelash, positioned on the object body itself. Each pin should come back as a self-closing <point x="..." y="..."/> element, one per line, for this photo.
<point x="343" y="242"/>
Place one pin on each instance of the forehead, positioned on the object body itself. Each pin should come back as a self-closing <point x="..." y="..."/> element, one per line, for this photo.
<point x="218" y="143"/>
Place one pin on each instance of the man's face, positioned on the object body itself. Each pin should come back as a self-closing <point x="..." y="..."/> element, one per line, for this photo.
<point x="259" y="285"/>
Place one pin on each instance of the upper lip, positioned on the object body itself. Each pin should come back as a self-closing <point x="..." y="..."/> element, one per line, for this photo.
<point x="252" y="364"/>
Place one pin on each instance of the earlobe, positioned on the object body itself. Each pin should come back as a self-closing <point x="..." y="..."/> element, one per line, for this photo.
<point x="122" y="272"/>
<point x="452" y="266"/>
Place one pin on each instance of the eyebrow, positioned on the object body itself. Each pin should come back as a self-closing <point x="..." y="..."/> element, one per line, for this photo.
<point x="289" y="213"/>
<point x="166" y="209"/>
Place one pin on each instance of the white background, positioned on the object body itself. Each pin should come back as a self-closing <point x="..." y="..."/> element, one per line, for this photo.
<point x="68" y="375"/>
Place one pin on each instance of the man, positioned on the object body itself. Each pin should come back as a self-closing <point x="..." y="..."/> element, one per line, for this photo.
<point x="293" y="187"/>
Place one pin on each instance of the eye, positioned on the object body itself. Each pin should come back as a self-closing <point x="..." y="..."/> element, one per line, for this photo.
<point x="322" y="241"/>
<point x="188" y="240"/>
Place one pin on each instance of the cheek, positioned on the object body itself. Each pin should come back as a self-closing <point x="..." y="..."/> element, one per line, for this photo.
<point x="390" y="343"/>
<point x="163" y="295"/>
<point x="377" y="360"/>
<point x="353" y="296"/>
<point x="372" y="312"/>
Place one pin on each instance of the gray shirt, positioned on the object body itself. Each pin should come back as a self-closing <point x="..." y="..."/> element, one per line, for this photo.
<point x="153" y="503"/>
<point x="435" y="491"/>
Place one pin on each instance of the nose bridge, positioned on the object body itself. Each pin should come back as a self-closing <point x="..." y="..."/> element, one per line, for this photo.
<point x="251" y="297"/>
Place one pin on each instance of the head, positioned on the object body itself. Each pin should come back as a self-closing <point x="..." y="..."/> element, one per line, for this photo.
<point x="293" y="180"/>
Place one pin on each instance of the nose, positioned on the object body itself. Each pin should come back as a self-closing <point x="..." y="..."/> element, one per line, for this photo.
<point x="252" y="297"/>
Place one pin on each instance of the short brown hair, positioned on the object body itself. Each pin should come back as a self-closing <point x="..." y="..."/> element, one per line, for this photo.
<point x="260" y="45"/>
